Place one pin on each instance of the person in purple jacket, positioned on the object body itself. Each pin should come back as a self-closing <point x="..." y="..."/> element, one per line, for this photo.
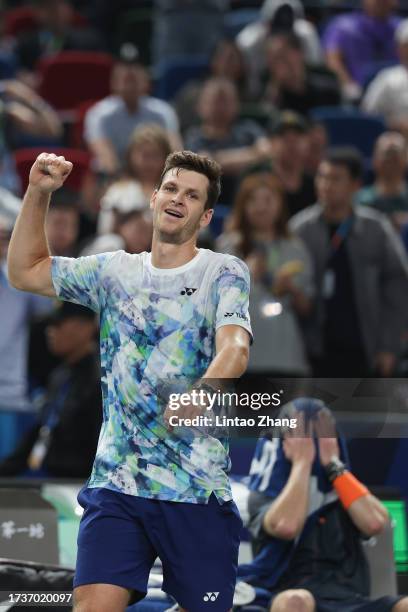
<point x="357" y="43"/>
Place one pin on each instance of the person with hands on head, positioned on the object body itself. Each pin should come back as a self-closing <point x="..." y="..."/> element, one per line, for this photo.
<point x="308" y="514"/>
<point x="176" y="315"/>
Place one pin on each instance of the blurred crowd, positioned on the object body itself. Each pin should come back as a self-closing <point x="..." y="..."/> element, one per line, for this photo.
<point x="305" y="107"/>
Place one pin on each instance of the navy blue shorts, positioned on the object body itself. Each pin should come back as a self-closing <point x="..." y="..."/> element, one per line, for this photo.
<point x="120" y="536"/>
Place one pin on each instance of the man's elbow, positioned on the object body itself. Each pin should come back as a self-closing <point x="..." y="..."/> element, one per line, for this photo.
<point x="375" y="525"/>
<point x="284" y="529"/>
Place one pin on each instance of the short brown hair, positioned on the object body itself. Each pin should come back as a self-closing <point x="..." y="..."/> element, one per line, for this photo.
<point x="187" y="160"/>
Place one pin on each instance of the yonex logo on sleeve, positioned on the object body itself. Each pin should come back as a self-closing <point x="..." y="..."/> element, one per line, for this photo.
<point x="188" y="291"/>
<point x="211" y="596"/>
<point x="237" y="314"/>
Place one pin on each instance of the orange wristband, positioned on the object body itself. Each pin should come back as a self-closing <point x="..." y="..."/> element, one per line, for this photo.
<point x="349" y="489"/>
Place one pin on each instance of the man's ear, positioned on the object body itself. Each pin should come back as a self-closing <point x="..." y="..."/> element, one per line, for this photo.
<point x="206" y="217"/>
<point x="153" y="199"/>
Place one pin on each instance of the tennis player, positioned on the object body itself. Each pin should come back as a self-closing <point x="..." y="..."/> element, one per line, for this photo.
<point x="178" y="313"/>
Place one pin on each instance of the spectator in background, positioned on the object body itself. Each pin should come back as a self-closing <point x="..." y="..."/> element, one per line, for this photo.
<point x="361" y="273"/>
<point x="16" y="310"/>
<point x="131" y="231"/>
<point x="63" y="441"/>
<point x="389" y="193"/>
<point x="62" y="223"/>
<point x="291" y="84"/>
<point x="308" y="518"/>
<point x="387" y="94"/>
<point x="25" y="119"/>
<point x="55" y="32"/>
<point x="226" y="62"/>
<point x="147" y="151"/>
<point x="357" y="42"/>
<point x="183" y="27"/>
<point x="281" y="278"/>
<point x="288" y="150"/>
<point x="110" y="122"/>
<point x="27" y="114"/>
<point x="276" y="16"/>
<point x="235" y="144"/>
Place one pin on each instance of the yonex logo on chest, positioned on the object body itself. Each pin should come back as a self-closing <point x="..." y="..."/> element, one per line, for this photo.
<point x="188" y="291"/>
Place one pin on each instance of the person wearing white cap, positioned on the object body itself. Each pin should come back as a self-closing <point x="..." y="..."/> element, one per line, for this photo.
<point x="277" y="15"/>
<point x="387" y="94"/>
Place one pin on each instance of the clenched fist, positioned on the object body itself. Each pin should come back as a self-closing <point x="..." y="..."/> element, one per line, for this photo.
<point x="49" y="172"/>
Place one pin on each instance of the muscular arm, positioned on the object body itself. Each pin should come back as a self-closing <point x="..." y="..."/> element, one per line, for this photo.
<point x="29" y="260"/>
<point x="367" y="512"/>
<point x="232" y="353"/>
<point x="287" y="514"/>
<point x="369" y="515"/>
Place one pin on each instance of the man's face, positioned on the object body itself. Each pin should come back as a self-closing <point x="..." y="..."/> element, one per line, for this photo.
<point x="128" y="82"/>
<point x="390" y="157"/>
<point x="219" y="104"/>
<point x="62" y="226"/>
<point x="285" y="63"/>
<point x="178" y="206"/>
<point x="66" y="337"/>
<point x="335" y="186"/>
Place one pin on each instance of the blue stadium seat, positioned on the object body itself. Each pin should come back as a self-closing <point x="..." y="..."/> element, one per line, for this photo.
<point x="350" y="127"/>
<point x="235" y="21"/>
<point x="221" y="212"/>
<point x="172" y="74"/>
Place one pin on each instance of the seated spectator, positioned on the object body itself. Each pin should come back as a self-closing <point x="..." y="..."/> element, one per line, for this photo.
<point x="291" y="84"/>
<point x="235" y="144"/>
<point x="63" y="442"/>
<point x="55" y="33"/>
<point x="28" y="115"/>
<point x="62" y="223"/>
<point x="17" y="308"/>
<point x="308" y="517"/>
<point x="356" y="42"/>
<point x="288" y="150"/>
<point x="226" y="62"/>
<point x="277" y="16"/>
<point x="389" y="193"/>
<point x="147" y="151"/>
<point x="110" y="122"/>
<point x="361" y="273"/>
<point x="387" y="94"/>
<point x="131" y="231"/>
<point x="281" y="278"/>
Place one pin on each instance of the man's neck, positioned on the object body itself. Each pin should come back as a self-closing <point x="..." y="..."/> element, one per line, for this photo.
<point x="132" y="106"/>
<point x="167" y="255"/>
<point x="390" y="186"/>
<point x="337" y="214"/>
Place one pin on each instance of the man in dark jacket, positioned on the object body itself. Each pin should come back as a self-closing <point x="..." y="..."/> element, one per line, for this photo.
<point x="63" y="442"/>
<point x="361" y="275"/>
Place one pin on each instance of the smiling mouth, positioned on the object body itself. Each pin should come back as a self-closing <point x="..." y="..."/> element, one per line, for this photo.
<point x="174" y="213"/>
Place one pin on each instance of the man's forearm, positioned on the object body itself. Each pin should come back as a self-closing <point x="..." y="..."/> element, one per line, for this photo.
<point x="28" y="245"/>
<point x="287" y="514"/>
<point x="230" y="362"/>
